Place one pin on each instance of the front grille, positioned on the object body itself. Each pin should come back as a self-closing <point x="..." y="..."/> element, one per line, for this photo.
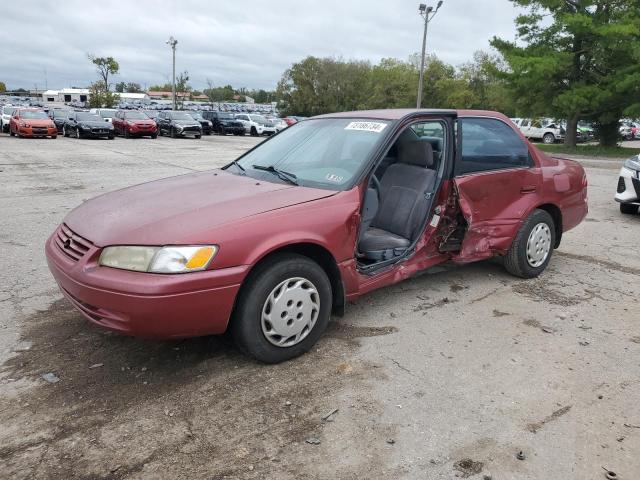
<point x="39" y="131"/>
<point x="621" y="185"/>
<point x="71" y="244"/>
<point x="191" y="129"/>
<point x="237" y="124"/>
<point x="100" y="130"/>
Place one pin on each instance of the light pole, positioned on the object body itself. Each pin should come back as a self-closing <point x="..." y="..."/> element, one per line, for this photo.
<point x="172" y="43"/>
<point x="427" y="13"/>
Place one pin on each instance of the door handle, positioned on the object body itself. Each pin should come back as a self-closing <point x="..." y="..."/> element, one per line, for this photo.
<point x="528" y="189"/>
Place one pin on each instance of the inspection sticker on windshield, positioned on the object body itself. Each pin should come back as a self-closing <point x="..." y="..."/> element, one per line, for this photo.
<point x="375" y="127"/>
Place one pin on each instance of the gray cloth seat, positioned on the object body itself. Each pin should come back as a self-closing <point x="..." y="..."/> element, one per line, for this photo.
<point x="404" y="202"/>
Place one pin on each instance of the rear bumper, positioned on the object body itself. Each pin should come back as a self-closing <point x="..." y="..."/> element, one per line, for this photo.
<point x="146" y="305"/>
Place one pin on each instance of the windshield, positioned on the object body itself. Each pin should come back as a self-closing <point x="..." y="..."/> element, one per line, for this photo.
<point x="107" y="113"/>
<point x="34" y="115"/>
<point x="136" y="116"/>
<point x="87" y="117"/>
<point x="322" y="153"/>
<point x="225" y="116"/>
<point x="180" y="116"/>
<point x="8" y="110"/>
<point x="258" y="119"/>
<point x="61" y="113"/>
<point x="196" y="115"/>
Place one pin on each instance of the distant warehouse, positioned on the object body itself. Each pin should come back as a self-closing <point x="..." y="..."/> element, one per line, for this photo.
<point x="68" y="95"/>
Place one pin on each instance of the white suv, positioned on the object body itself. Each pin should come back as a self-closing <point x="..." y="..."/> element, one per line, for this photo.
<point x="6" y="112"/>
<point x="628" y="191"/>
<point x="256" y="124"/>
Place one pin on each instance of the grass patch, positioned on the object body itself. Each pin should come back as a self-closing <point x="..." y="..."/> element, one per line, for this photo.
<point x="590" y="150"/>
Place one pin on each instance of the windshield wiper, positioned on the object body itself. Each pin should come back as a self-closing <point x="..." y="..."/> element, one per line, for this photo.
<point x="286" y="176"/>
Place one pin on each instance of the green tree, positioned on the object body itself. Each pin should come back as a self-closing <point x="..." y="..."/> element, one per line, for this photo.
<point x="101" y="98"/>
<point x="3" y="87"/>
<point x="105" y="66"/>
<point x="577" y="59"/>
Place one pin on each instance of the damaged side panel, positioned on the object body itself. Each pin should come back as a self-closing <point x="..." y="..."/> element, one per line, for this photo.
<point x="493" y="205"/>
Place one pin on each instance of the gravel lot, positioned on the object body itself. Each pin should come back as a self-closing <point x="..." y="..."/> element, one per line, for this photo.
<point x="449" y="374"/>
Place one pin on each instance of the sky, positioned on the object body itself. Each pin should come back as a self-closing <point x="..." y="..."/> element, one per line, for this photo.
<point x="245" y="43"/>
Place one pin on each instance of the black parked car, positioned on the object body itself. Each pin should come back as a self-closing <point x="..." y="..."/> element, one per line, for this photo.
<point x="59" y="117"/>
<point x="207" y="126"/>
<point x="178" y="124"/>
<point x="224" y="123"/>
<point x="85" y="124"/>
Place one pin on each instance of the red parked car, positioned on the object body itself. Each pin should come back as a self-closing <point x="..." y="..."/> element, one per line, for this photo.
<point x="328" y="210"/>
<point x="133" y="123"/>
<point x="31" y="122"/>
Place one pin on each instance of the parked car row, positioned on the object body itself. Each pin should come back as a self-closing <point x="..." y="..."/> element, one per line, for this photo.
<point x="108" y="122"/>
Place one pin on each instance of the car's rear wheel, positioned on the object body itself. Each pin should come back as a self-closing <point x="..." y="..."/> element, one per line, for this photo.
<point x="531" y="250"/>
<point x="198" y="136"/>
<point x="172" y="133"/>
<point x="282" y="309"/>
<point x="254" y="132"/>
<point x="549" y="138"/>
<point x="628" y="208"/>
<point x="126" y="133"/>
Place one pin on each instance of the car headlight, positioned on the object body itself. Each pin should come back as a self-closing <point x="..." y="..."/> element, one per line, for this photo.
<point x="180" y="128"/>
<point x="209" y="123"/>
<point x="159" y="259"/>
<point x="633" y="163"/>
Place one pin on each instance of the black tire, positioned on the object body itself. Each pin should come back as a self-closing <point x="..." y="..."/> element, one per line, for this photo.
<point x="254" y="132"/>
<point x="126" y="133"/>
<point x="65" y="133"/>
<point x="111" y="137"/>
<point x="78" y="134"/>
<point x="549" y="138"/>
<point x="172" y="133"/>
<point x="159" y="132"/>
<point x="628" y="208"/>
<point x="246" y="325"/>
<point x="154" y="135"/>
<point x="221" y="130"/>
<point x="198" y="137"/>
<point x="515" y="261"/>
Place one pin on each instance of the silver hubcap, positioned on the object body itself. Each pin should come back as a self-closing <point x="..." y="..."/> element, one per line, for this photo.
<point x="538" y="245"/>
<point x="290" y="312"/>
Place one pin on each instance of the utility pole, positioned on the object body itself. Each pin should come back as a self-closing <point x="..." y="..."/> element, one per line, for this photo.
<point x="172" y="43"/>
<point x="427" y="13"/>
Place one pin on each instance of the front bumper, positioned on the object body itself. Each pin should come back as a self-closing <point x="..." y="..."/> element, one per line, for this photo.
<point x="628" y="190"/>
<point x="142" y="304"/>
<point x="97" y="132"/>
<point x="37" y="131"/>
<point x="233" y="129"/>
<point x="141" y="131"/>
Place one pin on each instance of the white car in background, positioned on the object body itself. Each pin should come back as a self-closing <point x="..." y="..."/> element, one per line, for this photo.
<point x="548" y="132"/>
<point x="5" y="119"/>
<point x="628" y="191"/>
<point x="256" y="124"/>
<point x="106" y="114"/>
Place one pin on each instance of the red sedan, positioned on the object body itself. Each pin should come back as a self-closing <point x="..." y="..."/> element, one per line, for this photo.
<point x="133" y="123"/>
<point x="328" y="210"/>
<point x="31" y="122"/>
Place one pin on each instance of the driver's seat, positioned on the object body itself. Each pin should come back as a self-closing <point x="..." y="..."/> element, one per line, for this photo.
<point x="405" y="192"/>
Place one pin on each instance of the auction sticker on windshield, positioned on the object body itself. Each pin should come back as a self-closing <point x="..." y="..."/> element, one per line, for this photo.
<point x="375" y="127"/>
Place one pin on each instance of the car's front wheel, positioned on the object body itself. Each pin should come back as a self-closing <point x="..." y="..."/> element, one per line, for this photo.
<point x="549" y="138"/>
<point x="532" y="247"/>
<point x="282" y="309"/>
<point x="628" y="208"/>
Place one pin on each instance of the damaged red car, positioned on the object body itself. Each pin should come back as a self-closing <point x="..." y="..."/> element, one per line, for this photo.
<point x="329" y="209"/>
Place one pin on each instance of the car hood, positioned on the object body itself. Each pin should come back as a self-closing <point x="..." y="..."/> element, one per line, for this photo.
<point x="38" y="122"/>
<point x="174" y="210"/>
<point x="186" y="122"/>
<point x="95" y="123"/>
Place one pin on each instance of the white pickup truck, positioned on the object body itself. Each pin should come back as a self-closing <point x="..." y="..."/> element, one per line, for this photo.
<point x="548" y="132"/>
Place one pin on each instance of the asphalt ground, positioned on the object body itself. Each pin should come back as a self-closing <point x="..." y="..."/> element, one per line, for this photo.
<point x="449" y="374"/>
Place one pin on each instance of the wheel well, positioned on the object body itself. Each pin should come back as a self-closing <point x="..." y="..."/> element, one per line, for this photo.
<point x="322" y="257"/>
<point x="556" y="214"/>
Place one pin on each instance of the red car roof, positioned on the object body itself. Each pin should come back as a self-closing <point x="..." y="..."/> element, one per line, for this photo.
<point x="398" y="113"/>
